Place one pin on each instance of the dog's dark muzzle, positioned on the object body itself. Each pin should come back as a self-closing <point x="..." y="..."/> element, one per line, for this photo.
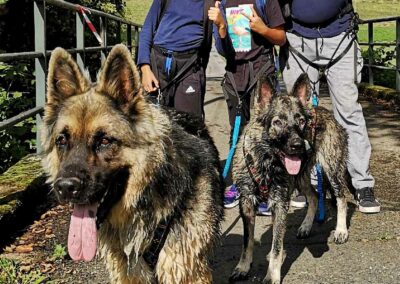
<point x="71" y="184"/>
<point x="67" y="188"/>
<point x="296" y="146"/>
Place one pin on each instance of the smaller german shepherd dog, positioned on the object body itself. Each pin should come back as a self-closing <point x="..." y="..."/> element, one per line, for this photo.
<point x="273" y="157"/>
<point x="143" y="181"/>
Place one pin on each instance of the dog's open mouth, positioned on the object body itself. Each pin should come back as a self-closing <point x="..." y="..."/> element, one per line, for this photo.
<point x="292" y="163"/>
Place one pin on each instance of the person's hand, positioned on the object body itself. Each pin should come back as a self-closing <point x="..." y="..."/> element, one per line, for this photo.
<point x="149" y="81"/>
<point x="215" y="15"/>
<point x="256" y="23"/>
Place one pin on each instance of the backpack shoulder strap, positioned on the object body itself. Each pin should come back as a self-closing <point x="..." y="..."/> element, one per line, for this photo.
<point x="207" y="33"/>
<point x="261" y="9"/>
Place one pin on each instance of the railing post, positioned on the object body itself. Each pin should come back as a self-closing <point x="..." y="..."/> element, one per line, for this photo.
<point x="80" y="40"/>
<point x="129" y="37"/>
<point x="39" y="15"/>
<point x="103" y="35"/>
<point x="136" y="42"/>
<point x="370" y="52"/>
<point x="397" y="55"/>
<point x="118" y="32"/>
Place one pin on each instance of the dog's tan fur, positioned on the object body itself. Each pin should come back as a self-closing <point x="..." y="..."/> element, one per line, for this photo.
<point x="117" y="106"/>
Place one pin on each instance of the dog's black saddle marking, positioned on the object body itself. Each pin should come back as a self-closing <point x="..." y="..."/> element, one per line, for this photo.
<point x="151" y="254"/>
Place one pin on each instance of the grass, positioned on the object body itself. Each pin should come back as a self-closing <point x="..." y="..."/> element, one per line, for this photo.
<point x="136" y="10"/>
<point x="11" y="273"/>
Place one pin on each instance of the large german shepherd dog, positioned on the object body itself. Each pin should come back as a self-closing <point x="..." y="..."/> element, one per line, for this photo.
<point x="144" y="183"/>
<point x="276" y="153"/>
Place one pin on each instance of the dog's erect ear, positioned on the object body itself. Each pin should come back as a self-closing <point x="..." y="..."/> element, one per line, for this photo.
<point x="265" y="92"/>
<point x="301" y="88"/>
<point x="64" y="79"/>
<point x="119" y="77"/>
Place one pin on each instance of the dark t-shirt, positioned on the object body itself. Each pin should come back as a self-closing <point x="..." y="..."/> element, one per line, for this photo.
<point x="259" y="44"/>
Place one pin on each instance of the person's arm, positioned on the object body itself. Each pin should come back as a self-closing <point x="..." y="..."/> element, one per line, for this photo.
<point x="275" y="35"/>
<point x="149" y="81"/>
<point x="223" y="42"/>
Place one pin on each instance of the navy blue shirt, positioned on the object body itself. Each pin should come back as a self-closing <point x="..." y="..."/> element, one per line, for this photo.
<point x="180" y="29"/>
<point x="316" y="18"/>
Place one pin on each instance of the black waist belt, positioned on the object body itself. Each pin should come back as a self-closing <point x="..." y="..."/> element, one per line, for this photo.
<point x="165" y="51"/>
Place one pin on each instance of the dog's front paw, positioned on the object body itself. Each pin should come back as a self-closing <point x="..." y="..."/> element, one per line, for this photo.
<point x="269" y="280"/>
<point x="239" y="273"/>
<point x="303" y="232"/>
<point x="340" y="236"/>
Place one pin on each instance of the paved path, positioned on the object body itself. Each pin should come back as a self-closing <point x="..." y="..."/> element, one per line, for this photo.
<point x="372" y="254"/>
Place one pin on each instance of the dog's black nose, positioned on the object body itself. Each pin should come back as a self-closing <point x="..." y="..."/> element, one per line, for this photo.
<point x="296" y="144"/>
<point x="67" y="187"/>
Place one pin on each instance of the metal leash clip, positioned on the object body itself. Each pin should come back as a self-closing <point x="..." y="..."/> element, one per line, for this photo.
<point x="159" y="97"/>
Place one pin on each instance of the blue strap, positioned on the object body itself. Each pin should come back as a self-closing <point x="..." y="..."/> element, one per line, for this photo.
<point x="168" y="62"/>
<point x="315" y="99"/>
<point x="233" y="147"/>
<point x="260" y="6"/>
<point x="320" y="217"/>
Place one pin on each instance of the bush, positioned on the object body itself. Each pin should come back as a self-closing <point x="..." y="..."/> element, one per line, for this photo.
<point x="381" y="57"/>
<point x="16" y="95"/>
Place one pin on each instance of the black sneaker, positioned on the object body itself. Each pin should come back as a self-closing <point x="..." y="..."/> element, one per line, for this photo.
<point x="367" y="203"/>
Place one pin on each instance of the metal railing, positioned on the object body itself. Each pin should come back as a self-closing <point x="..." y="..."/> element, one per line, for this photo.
<point x="41" y="54"/>
<point x="371" y="43"/>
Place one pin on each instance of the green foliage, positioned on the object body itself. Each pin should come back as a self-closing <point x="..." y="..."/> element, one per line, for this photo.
<point x="10" y="273"/>
<point x="59" y="252"/>
<point x="16" y="88"/>
<point x="381" y="57"/>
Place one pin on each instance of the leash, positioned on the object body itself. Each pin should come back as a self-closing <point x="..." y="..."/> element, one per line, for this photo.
<point x="234" y="142"/>
<point x="320" y="216"/>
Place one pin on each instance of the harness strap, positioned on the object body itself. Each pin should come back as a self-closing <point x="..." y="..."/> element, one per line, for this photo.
<point x="333" y="59"/>
<point x="253" y="81"/>
<point x="189" y="63"/>
<point x="150" y="255"/>
<point x="262" y="186"/>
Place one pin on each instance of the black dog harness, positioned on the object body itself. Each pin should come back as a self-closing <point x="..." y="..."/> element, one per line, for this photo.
<point x="262" y="185"/>
<point x="151" y="254"/>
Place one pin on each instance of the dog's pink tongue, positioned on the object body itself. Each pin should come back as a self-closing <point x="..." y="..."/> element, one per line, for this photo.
<point x="82" y="236"/>
<point x="292" y="164"/>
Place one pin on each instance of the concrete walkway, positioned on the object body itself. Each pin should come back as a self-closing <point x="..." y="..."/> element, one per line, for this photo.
<point x="372" y="254"/>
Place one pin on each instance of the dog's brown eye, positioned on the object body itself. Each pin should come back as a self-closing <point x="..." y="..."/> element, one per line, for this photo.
<point x="277" y="123"/>
<point x="104" y="142"/>
<point x="62" y="140"/>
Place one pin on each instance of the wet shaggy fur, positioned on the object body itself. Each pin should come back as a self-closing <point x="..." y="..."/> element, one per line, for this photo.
<point x="280" y="127"/>
<point x="140" y="162"/>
